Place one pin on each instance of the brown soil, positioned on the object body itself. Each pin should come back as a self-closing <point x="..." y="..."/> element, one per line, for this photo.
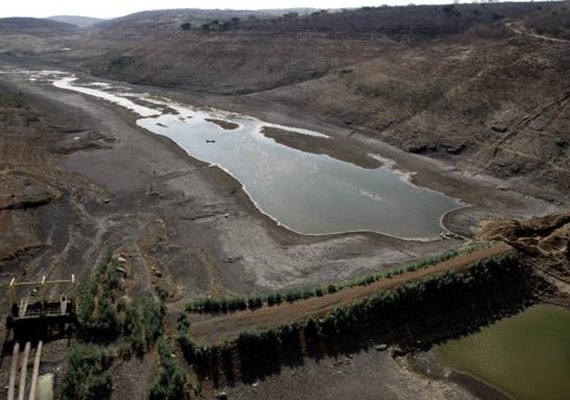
<point x="545" y="240"/>
<point x="504" y="117"/>
<point x="68" y="202"/>
<point x="229" y="126"/>
<point x="165" y="214"/>
<point x="28" y="176"/>
<point x="364" y="375"/>
<point x="228" y="326"/>
<point x="340" y="149"/>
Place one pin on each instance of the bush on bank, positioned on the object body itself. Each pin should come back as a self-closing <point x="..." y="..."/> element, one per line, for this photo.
<point x="210" y="305"/>
<point x="103" y="315"/>
<point x="170" y="382"/>
<point x="482" y="277"/>
<point x="88" y="375"/>
<point x="125" y="325"/>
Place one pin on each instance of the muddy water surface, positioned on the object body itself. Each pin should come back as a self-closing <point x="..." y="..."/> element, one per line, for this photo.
<point x="307" y="193"/>
<point x="527" y="356"/>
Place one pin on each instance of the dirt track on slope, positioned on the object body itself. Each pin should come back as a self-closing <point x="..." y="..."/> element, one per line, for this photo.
<point x="519" y="29"/>
<point x="229" y="325"/>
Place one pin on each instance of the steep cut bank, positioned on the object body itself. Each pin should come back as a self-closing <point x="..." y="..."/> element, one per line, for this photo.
<point x="546" y="240"/>
<point x="408" y="316"/>
<point x="506" y="116"/>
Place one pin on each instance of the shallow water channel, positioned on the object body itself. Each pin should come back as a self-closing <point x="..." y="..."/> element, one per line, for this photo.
<point x="527" y="356"/>
<point x="308" y="193"/>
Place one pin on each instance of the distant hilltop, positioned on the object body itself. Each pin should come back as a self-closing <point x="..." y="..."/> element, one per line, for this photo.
<point x="79" y="21"/>
<point x="24" y="23"/>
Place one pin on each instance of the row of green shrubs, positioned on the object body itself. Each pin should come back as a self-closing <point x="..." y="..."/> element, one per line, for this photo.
<point x="104" y="315"/>
<point x="142" y="324"/>
<point x="210" y="305"/>
<point x="125" y="326"/>
<point x="96" y="303"/>
<point x="88" y="375"/>
<point x="381" y="307"/>
<point x="170" y="383"/>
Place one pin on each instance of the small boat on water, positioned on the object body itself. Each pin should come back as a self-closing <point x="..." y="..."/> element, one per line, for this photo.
<point x="210" y="141"/>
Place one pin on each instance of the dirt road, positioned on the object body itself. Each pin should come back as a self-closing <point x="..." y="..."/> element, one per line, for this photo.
<point x="520" y="30"/>
<point x="229" y="325"/>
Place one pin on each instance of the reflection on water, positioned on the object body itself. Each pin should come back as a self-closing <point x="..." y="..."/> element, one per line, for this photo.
<point x="308" y="193"/>
<point x="527" y="356"/>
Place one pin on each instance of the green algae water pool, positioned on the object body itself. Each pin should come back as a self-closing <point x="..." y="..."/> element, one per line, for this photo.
<point x="527" y="356"/>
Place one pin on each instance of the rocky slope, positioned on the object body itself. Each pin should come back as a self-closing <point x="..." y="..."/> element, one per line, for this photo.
<point x="462" y="83"/>
<point x="498" y="105"/>
<point x="32" y="36"/>
<point x="476" y="85"/>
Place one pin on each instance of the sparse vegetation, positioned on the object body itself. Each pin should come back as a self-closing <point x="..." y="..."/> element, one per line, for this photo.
<point x="217" y="26"/>
<point x="88" y="373"/>
<point x="414" y="22"/>
<point x="13" y="107"/>
<point x="493" y="30"/>
<point x="11" y="100"/>
<point x="554" y="22"/>
<point x="211" y="305"/>
<point x="104" y="315"/>
<point x="382" y="309"/>
<point x="415" y="96"/>
<point x="170" y="383"/>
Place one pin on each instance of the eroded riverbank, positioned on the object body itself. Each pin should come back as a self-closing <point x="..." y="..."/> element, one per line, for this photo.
<point x="196" y="249"/>
<point x="244" y="252"/>
<point x="308" y="193"/>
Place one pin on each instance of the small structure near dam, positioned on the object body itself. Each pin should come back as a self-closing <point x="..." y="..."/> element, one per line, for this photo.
<point x="41" y="312"/>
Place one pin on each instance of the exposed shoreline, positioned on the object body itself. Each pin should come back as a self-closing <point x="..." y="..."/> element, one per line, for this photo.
<point x="427" y="173"/>
<point x="343" y="150"/>
<point x="499" y="199"/>
<point x="381" y="251"/>
<point x="192" y="199"/>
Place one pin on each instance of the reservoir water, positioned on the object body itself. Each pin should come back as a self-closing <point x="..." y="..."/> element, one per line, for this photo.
<point x="527" y="356"/>
<point x="307" y="193"/>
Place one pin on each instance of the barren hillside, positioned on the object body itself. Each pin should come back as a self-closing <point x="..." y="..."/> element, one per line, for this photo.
<point x="29" y="36"/>
<point x="499" y="105"/>
<point x="468" y="83"/>
<point x="472" y="100"/>
<point x="79" y="21"/>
